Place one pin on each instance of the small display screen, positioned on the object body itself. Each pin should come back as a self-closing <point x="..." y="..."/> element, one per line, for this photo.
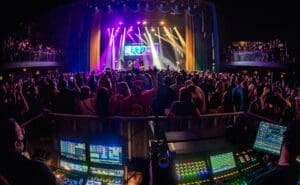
<point x="69" y="166"/>
<point x="71" y="181"/>
<point x="269" y="138"/>
<point x="247" y="157"/>
<point x="73" y="150"/>
<point x="107" y="171"/>
<point x="222" y="162"/>
<point x="92" y="182"/>
<point x="242" y="159"/>
<point x="106" y="154"/>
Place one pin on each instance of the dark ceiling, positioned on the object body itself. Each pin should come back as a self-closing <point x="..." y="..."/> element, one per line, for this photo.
<point x="244" y="19"/>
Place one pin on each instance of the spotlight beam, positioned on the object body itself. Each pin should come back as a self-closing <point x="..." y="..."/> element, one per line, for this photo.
<point x="156" y="61"/>
<point x="121" y="55"/>
<point x="141" y="39"/>
<point x="113" y="58"/>
<point x="147" y="39"/>
<point x="131" y="38"/>
<point x="110" y="53"/>
<point x="171" y="38"/>
<point x="172" y="43"/>
<point x="182" y="41"/>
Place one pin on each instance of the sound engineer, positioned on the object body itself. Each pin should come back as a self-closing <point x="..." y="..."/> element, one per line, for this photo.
<point x="15" y="167"/>
<point x="286" y="172"/>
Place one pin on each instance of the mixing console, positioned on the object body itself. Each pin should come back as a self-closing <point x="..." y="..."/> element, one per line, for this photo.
<point x="193" y="172"/>
<point x="105" y="176"/>
<point x="69" y="178"/>
<point x="231" y="168"/>
<point x="95" y="180"/>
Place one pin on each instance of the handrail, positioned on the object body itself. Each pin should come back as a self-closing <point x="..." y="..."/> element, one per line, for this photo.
<point x="26" y="123"/>
<point x="141" y="117"/>
<point x="129" y="129"/>
<point x="126" y="118"/>
<point x="261" y="117"/>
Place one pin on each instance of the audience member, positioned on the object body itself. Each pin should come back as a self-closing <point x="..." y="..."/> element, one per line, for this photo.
<point x="15" y="167"/>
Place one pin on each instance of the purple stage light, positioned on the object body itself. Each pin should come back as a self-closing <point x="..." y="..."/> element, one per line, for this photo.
<point x="138" y="22"/>
<point x="129" y="30"/>
<point x="118" y="29"/>
<point x="120" y="23"/>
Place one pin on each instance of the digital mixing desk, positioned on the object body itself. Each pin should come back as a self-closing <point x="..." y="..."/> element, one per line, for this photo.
<point x="85" y="163"/>
<point x="71" y="173"/>
<point x="208" y="161"/>
<point x="205" y="161"/>
<point x="82" y="174"/>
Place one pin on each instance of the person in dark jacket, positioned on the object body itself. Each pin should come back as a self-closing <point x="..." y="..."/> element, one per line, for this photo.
<point x="16" y="167"/>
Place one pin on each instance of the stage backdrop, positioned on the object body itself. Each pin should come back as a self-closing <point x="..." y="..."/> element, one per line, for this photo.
<point x="201" y="36"/>
<point x="77" y="30"/>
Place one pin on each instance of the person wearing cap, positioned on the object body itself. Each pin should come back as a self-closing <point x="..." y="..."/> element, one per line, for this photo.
<point x="139" y="102"/>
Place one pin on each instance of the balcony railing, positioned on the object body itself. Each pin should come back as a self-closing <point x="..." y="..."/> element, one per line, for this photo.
<point x="44" y="131"/>
<point x="262" y="56"/>
<point x="31" y="55"/>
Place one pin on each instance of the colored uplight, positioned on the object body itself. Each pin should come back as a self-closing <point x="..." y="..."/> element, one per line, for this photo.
<point x="144" y="22"/>
<point x="120" y="23"/>
<point x="138" y="22"/>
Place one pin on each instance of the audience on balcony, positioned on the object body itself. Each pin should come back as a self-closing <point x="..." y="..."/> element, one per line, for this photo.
<point x="28" y="49"/>
<point x="272" y="51"/>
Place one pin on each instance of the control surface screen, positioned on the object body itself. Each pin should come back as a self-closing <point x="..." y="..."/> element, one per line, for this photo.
<point x="269" y="138"/>
<point x="73" y="150"/>
<point x="69" y="166"/>
<point x="106" y="154"/>
<point x="222" y="162"/>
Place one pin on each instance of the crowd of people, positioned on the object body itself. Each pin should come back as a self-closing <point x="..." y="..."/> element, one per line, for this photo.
<point x="28" y="50"/>
<point x="272" y="51"/>
<point x="146" y="93"/>
<point x="141" y="93"/>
